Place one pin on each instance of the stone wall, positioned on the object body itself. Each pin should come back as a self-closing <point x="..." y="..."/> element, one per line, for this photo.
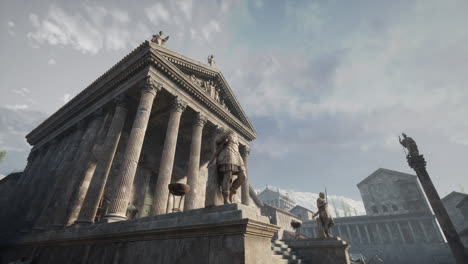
<point x="225" y="234"/>
<point x="280" y="218"/>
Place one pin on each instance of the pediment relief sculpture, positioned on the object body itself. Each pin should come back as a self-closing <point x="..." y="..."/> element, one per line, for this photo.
<point x="211" y="89"/>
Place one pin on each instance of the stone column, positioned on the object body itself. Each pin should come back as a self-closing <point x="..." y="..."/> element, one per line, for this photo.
<point x="193" y="170"/>
<point x="167" y="159"/>
<point x="70" y="190"/>
<point x="118" y="203"/>
<point x="48" y="209"/>
<point x="245" y="185"/>
<point x="90" y="205"/>
<point x="401" y="233"/>
<point x="378" y="233"/>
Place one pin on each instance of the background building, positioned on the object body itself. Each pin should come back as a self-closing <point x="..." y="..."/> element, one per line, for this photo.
<point x="276" y="199"/>
<point x="386" y="192"/>
<point x="399" y="226"/>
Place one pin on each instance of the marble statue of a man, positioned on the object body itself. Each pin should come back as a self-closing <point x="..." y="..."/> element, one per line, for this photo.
<point x="325" y="221"/>
<point x="229" y="163"/>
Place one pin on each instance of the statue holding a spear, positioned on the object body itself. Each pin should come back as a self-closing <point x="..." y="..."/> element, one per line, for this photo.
<point x="325" y="221"/>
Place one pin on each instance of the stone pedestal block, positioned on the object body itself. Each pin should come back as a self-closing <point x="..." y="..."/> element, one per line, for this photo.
<point x="231" y="233"/>
<point x="321" y="250"/>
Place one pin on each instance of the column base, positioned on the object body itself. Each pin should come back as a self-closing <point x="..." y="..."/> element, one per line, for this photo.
<point x="113" y="218"/>
<point x="79" y="223"/>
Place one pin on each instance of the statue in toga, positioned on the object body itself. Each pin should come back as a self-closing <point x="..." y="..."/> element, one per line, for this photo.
<point x="325" y="221"/>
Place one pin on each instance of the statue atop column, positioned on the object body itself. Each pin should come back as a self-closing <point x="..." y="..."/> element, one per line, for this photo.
<point x="211" y="61"/>
<point x="229" y="163"/>
<point x="410" y="145"/>
<point x="325" y="221"/>
<point x="158" y="39"/>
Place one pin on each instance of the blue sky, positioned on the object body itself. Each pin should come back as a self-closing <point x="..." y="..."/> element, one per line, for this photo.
<point x="328" y="84"/>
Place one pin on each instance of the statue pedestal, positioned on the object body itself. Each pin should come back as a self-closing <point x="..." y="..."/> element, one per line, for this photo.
<point x="321" y="250"/>
<point x="232" y="233"/>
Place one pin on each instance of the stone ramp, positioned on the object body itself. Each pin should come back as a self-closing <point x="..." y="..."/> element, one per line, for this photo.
<point x="282" y="253"/>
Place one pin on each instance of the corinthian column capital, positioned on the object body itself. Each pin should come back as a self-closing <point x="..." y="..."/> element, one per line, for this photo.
<point x="148" y="85"/>
<point x="178" y="105"/>
<point x="200" y="120"/>
<point x="121" y="101"/>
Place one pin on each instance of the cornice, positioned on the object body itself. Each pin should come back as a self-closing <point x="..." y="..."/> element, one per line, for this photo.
<point x="97" y="93"/>
<point x="116" y="75"/>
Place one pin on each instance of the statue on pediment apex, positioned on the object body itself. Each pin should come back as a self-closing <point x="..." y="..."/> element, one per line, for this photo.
<point x="158" y="39"/>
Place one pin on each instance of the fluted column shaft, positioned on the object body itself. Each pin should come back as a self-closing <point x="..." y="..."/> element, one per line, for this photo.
<point x="194" y="163"/>
<point x="88" y="210"/>
<point x="119" y="201"/>
<point x="167" y="159"/>
<point x="245" y="199"/>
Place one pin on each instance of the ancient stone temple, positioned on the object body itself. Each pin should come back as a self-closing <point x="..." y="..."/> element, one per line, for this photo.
<point x="95" y="188"/>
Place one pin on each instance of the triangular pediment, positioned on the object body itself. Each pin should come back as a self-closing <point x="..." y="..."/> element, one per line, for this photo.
<point x="210" y="81"/>
<point x="381" y="172"/>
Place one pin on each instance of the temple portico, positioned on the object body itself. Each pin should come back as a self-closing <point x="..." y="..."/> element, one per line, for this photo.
<point x="112" y="150"/>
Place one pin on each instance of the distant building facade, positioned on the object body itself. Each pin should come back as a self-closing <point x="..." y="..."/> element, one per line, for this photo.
<point x="302" y="212"/>
<point x="387" y="192"/>
<point x="456" y="204"/>
<point x="399" y="226"/>
<point x="276" y="199"/>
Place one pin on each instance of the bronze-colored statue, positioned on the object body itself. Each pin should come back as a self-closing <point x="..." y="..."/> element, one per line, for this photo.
<point x="229" y="163"/>
<point x="410" y="145"/>
<point x="158" y="39"/>
<point x="325" y="221"/>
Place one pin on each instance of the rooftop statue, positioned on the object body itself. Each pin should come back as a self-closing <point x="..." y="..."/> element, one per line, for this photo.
<point x="211" y="61"/>
<point x="158" y="39"/>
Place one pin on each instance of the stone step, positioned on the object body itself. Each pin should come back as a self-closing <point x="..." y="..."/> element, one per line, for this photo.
<point x="277" y="259"/>
<point x="280" y="245"/>
<point x="276" y="248"/>
<point x="283" y="253"/>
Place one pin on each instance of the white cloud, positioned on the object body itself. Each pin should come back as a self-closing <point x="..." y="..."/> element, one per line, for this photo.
<point x="17" y="107"/>
<point x="22" y="91"/>
<point x="10" y="27"/>
<point x="186" y="7"/>
<point x="90" y="32"/>
<point x="51" y="62"/>
<point x="157" y="13"/>
<point x="205" y="33"/>
<point x="66" y="98"/>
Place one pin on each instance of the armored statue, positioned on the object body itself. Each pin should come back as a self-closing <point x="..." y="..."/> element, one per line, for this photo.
<point x="158" y="39"/>
<point x="325" y="221"/>
<point x="229" y="164"/>
<point x="211" y="61"/>
<point x="410" y="145"/>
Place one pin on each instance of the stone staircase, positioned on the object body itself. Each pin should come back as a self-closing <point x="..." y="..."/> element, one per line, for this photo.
<point x="283" y="254"/>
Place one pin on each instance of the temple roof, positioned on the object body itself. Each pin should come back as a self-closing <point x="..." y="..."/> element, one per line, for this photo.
<point x="172" y="65"/>
<point x="381" y="171"/>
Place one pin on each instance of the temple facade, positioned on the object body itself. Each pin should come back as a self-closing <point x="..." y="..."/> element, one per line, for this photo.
<point x="109" y="153"/>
